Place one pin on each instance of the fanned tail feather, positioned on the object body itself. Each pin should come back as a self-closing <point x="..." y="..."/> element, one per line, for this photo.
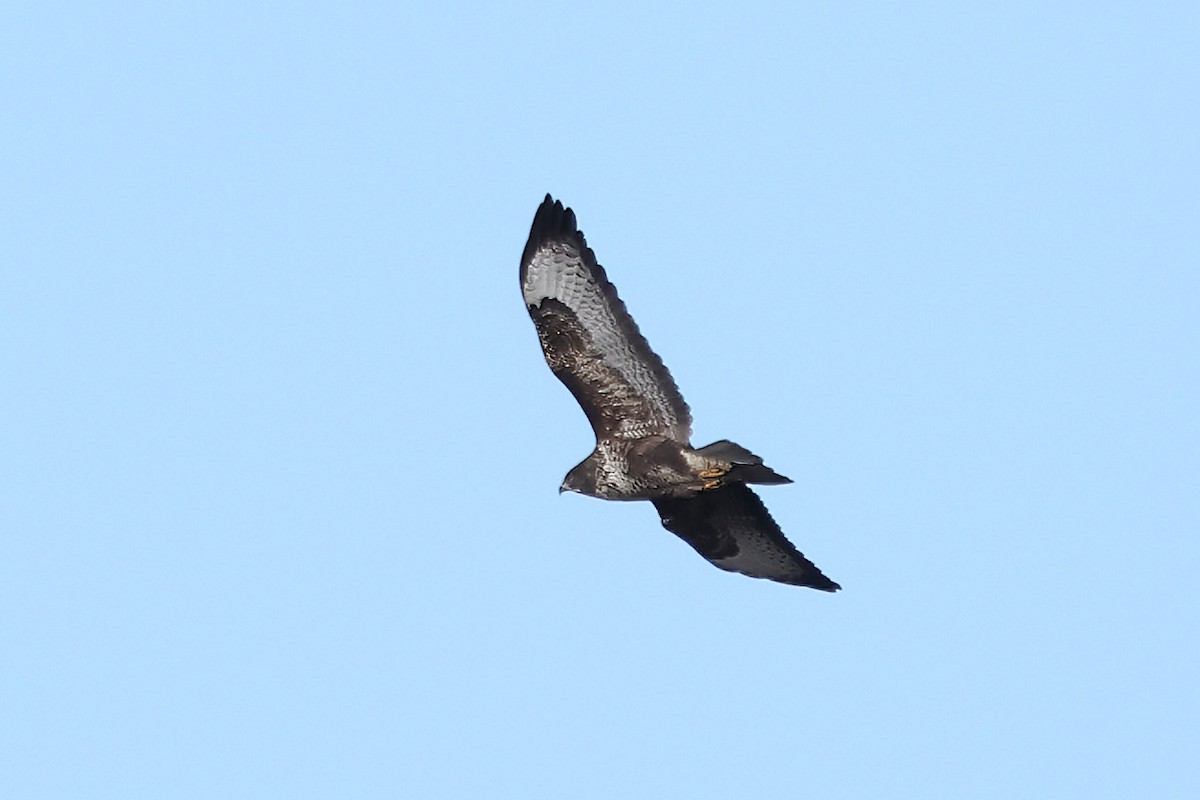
<point x="747" y="467"/>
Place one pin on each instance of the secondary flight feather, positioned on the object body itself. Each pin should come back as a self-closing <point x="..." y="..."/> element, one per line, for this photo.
<point x="642" y="424"/>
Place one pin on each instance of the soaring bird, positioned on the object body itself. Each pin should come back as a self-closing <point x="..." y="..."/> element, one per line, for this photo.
<point x="642" y="424"/>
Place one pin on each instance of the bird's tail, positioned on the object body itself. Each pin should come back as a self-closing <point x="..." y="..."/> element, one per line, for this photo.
<point x="744" y="465"/>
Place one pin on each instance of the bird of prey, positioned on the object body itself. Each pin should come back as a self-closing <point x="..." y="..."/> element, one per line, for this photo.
<point x="642" y="425"/>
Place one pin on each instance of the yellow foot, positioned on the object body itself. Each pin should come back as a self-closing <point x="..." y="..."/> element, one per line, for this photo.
<point x="710" y="485"/>
<point x="711" y="473"/>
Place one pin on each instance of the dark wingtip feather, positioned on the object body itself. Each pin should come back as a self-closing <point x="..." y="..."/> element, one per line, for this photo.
<point x="824" y="584"/>
<point x="551" y="222"/>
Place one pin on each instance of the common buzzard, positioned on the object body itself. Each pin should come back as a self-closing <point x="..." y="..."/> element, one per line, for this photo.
<point x="642" y="425"/>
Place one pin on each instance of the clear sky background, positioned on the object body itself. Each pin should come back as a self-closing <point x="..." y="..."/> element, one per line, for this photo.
<point x="279" y="451"/>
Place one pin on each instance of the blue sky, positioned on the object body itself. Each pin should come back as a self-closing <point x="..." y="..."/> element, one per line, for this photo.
<point x="280" y="454"/>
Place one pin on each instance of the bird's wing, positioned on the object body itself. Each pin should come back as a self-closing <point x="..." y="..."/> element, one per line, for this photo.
<point x="590" y="341"/>
<point x="731" y="527"/>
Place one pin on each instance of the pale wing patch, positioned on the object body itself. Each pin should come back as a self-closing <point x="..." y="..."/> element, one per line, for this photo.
<point x="557" y="272"/>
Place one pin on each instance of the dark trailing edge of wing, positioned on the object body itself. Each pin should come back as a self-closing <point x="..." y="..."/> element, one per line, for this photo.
<point x="733" y="529"/>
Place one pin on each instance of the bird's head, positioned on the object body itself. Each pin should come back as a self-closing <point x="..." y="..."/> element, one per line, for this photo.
<point x="581" y="478"/>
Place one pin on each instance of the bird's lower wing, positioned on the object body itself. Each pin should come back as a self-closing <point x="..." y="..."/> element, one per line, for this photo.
<point x="731" y="527"/>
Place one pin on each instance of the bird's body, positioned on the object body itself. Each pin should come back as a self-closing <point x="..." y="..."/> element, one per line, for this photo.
<point x="659" y="466"/>
<point x="642" y="424"/>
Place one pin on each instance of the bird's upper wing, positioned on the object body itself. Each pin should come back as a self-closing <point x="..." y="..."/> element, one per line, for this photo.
<point x="590" y="341"/>
<point x="731" y="527"/>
